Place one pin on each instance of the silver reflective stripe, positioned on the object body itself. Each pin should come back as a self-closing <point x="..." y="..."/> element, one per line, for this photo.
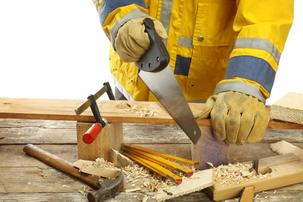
<point x="121" y="89"/>
<point x="165" y="13"/>
<point x="258" y="43"/>
<point x="131" y="15"/>
<point x="186" y="42"/>
<point x="240" y="87"/>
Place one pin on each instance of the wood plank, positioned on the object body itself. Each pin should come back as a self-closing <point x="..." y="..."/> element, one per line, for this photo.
<point x="13" y="155"/>
<point x="289" y="108"/>
<point x="198" y="181"/>
<point x="281" y="175"/>
<point x="248" y="194"/>
<point x="275" y="196"/>
<point x="42" y="197"/>
<point x="35" y="179"/>
<point x="18" y="131"/>
<point x="113" y="111"/>
<point x="284" y="147"/>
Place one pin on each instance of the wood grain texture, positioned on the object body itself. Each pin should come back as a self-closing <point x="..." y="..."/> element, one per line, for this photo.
<point x="289" y="108"/>
<point x="64" y="145"/>
<point x="284" y="147"/>
<point x="281" y="175"/>
<point x="248" y="194"/>
<point x="111" y="137"/>
<point x="198" y="181"/>
<point x="64" y="110"/>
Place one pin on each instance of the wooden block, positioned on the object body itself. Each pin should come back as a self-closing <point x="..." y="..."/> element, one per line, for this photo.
<point x="289" y="108"/>
<point x="281" y="175"/>
<point x="263" y="165"/>
<point x="248" y="194"/>
<point x="284" y="147"/>
<point x="198" y="181"/>
<point x="208" y="149"/>
<point x="111" y="137"/>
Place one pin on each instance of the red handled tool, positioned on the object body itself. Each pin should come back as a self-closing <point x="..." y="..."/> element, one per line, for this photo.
<point x="91" y="134"/>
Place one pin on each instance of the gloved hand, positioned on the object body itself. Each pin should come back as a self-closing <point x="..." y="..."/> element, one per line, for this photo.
<point x="236" y="117"/>
<point x="132" y="41"/>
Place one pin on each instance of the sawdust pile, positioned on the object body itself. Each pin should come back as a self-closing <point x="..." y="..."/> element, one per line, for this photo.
<point x="142" y="111"/>
<point x="236" y="173"/>
<point x="140" y="179"/>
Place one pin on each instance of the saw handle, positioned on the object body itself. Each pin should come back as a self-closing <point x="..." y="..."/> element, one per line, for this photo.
<point x="156" y="57"/>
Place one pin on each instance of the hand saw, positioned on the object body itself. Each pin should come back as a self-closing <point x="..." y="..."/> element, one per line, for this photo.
<point x="157" y="75"/>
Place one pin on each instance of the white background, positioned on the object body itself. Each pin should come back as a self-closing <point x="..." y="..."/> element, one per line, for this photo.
<point x="56" y="49"/>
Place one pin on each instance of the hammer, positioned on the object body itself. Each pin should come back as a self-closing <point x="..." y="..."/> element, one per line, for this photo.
<point x="104" y="189"/>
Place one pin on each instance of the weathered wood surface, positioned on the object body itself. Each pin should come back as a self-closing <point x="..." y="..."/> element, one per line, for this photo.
<point x="113" y="111"/>
<point x="289" y="108"/>
<point x="59" y="137"/>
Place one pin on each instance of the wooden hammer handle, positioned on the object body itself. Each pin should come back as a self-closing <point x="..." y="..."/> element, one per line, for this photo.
<point x="61" y="164"/>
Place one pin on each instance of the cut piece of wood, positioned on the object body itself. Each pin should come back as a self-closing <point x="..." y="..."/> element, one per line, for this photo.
<point x="209" y="150"/>
<point x="289" y="108"/>
<point x="111" y="137"/>
<point x="248" y="194"/>
<point x="119" y="160"/>
<point x="263" y="165"/>
<point x="100" y="168"/>
<point x="113" y="111"/>
<point x="281" y="175"/>
<point x="198" y="181"/>
<point x="284" y="147"/>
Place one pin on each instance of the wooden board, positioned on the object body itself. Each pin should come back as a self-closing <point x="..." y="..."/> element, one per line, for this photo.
<point x="281" y="175"/>
<point x="113" y="111"/>
<point x="198" y="181"/>
<point x="284" y="147"/>
<point x="64" y="145"/>
<point x="289" y="108"/>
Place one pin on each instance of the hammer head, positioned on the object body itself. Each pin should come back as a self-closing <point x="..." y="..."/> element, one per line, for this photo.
<point x="108" y="189"/>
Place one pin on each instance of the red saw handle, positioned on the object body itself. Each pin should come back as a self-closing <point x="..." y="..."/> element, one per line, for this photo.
<point x="91" y="134"/>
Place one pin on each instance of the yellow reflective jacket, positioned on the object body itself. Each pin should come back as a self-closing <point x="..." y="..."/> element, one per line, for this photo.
<point x="214" y="45"/>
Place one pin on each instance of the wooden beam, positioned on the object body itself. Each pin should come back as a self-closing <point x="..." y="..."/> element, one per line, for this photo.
<point x="113" y="111"/>
<point x="281" y="175"/>
<point x="289" y="108"/>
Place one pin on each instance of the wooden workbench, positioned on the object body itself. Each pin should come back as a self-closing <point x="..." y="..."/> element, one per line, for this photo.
<point x="23" y="178"/>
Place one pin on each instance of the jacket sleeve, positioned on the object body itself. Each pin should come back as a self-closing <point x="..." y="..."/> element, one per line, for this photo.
<point x="262" y="28"/>
<point x="114" y="13"/>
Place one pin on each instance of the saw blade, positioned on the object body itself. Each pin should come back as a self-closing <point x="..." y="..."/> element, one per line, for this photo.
<point x="166" y="89"/>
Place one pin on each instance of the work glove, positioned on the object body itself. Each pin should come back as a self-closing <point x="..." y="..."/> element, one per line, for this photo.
<point x="236" y="118"/>
<point x="132" y="41"/>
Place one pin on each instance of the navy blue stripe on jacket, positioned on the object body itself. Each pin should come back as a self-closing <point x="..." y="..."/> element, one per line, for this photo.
<point x="109" y="5"/>
<point x="251" y="68"/>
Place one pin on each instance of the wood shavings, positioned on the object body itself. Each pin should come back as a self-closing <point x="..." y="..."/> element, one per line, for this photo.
<point x="142" y="111"/>
<point x="139" y="177"/>
<point x="84" y="190"/>
<point x="236" y="173"/>
<point x="100" y="167"/>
